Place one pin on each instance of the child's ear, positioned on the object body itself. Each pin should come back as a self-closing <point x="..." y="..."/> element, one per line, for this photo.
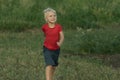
<point x="45" y="19"/>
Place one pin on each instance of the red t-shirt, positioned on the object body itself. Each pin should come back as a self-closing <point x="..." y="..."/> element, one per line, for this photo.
<point x="52" y="36"/>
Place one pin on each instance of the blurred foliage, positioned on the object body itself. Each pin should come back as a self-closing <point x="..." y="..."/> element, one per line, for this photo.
<point x="92" y="41"/>
<point x="71" y="13"/>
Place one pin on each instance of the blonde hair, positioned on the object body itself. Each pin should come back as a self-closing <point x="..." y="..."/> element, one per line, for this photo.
<point x="49" y="10"/>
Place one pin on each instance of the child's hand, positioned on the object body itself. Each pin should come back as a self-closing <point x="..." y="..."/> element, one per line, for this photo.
<point x="58" y="43"/>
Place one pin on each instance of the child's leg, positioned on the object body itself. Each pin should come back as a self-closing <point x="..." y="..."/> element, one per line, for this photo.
<point x="49" y="72"/>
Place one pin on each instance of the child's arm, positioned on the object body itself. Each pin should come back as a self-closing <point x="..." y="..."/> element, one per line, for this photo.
<point x="61" y="38"/>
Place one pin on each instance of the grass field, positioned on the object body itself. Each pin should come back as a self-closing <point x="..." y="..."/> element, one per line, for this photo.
<point x="21" y="58"/>
<point x="19" y="15"/>
<point x="91" y="50"/>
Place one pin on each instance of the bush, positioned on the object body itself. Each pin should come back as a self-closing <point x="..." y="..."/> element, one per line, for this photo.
<point x="92" y="41"/>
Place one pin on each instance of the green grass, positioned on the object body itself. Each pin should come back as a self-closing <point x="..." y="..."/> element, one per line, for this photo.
<point x="21" y="58"/>
<point x="92" y="41"/>
<point x="21" y="14"/>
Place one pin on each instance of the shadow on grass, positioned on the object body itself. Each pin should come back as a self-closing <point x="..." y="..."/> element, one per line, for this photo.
<point x="108" y="60"/>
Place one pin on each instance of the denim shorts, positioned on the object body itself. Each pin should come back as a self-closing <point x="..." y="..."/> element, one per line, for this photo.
<point x="51" y="56"/>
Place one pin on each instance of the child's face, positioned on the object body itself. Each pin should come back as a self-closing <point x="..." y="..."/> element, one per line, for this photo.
<point x="51" y="17"/>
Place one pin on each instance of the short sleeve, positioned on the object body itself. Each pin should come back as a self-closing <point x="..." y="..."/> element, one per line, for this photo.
<point x="43" y="28"/>
<point x="60" y="28"/>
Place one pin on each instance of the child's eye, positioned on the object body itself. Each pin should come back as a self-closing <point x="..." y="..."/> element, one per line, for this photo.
<point x="50" y="15"/>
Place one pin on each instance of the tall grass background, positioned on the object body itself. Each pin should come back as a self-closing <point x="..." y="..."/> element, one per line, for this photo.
<point x="92" y="41"/>
<point x="18" y="15"/>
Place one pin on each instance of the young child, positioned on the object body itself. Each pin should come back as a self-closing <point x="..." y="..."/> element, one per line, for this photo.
<point x="53" y="39"/>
